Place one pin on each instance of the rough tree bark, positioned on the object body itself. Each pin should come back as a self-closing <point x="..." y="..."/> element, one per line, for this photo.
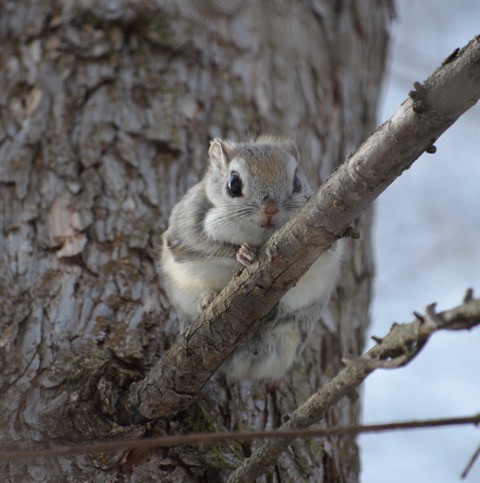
<point x="107" y="109"/>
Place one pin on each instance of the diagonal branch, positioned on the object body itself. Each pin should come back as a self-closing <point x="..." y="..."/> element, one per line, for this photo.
<point x="431" y="109"/>
<point x="397" y="348"/>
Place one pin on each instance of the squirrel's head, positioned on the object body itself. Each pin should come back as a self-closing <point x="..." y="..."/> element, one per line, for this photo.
<point x="258" y="184"/>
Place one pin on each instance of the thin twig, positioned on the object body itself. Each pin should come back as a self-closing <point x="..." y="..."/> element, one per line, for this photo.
<point x="471" y="463"/>
<point x="202" y="438"/>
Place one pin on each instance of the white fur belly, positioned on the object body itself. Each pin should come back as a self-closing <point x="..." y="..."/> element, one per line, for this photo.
<point x="278" y="350"/>
<point x="317" y="283"/>
<point x="278" y="362"/>
<point x="187" y="281"/>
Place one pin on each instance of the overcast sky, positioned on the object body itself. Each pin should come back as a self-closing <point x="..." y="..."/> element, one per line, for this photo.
<point x="427" y="239"/>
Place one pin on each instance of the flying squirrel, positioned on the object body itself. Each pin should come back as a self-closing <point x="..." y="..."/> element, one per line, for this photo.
<point x="249" y="191"/>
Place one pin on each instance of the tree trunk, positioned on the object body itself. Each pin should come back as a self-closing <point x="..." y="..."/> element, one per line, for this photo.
<point x="107" y="109"/>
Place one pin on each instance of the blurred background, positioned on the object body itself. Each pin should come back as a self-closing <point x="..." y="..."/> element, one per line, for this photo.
<point x="427" y="238"/>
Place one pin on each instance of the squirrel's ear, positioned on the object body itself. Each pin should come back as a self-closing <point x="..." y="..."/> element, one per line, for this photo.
<point x="220" y="152"/>
<point x="291" y="148"/>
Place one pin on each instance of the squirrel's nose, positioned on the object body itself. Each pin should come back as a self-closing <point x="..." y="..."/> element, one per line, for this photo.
<point x="270" y="208"/>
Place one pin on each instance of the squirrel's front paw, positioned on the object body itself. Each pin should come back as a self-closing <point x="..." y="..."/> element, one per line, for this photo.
<point x="206" y="298"/>
<point x="246" y="254"/>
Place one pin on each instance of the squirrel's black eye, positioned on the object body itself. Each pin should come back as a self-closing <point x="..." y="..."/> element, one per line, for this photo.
<point x="234" y="185"/>
<point x="297" y="185"/>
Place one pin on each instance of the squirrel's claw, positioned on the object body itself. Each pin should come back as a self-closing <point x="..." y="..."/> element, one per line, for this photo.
<point x="246" y="254"/>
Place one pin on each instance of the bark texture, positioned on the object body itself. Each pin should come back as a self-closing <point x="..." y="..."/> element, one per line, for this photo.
<point x="107" y="109"/>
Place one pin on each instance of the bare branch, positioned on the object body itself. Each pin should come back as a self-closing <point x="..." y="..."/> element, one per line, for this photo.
<point x="205" y="438"/>
<point x="397" y="348"/>
<point x="431" y="109"/>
